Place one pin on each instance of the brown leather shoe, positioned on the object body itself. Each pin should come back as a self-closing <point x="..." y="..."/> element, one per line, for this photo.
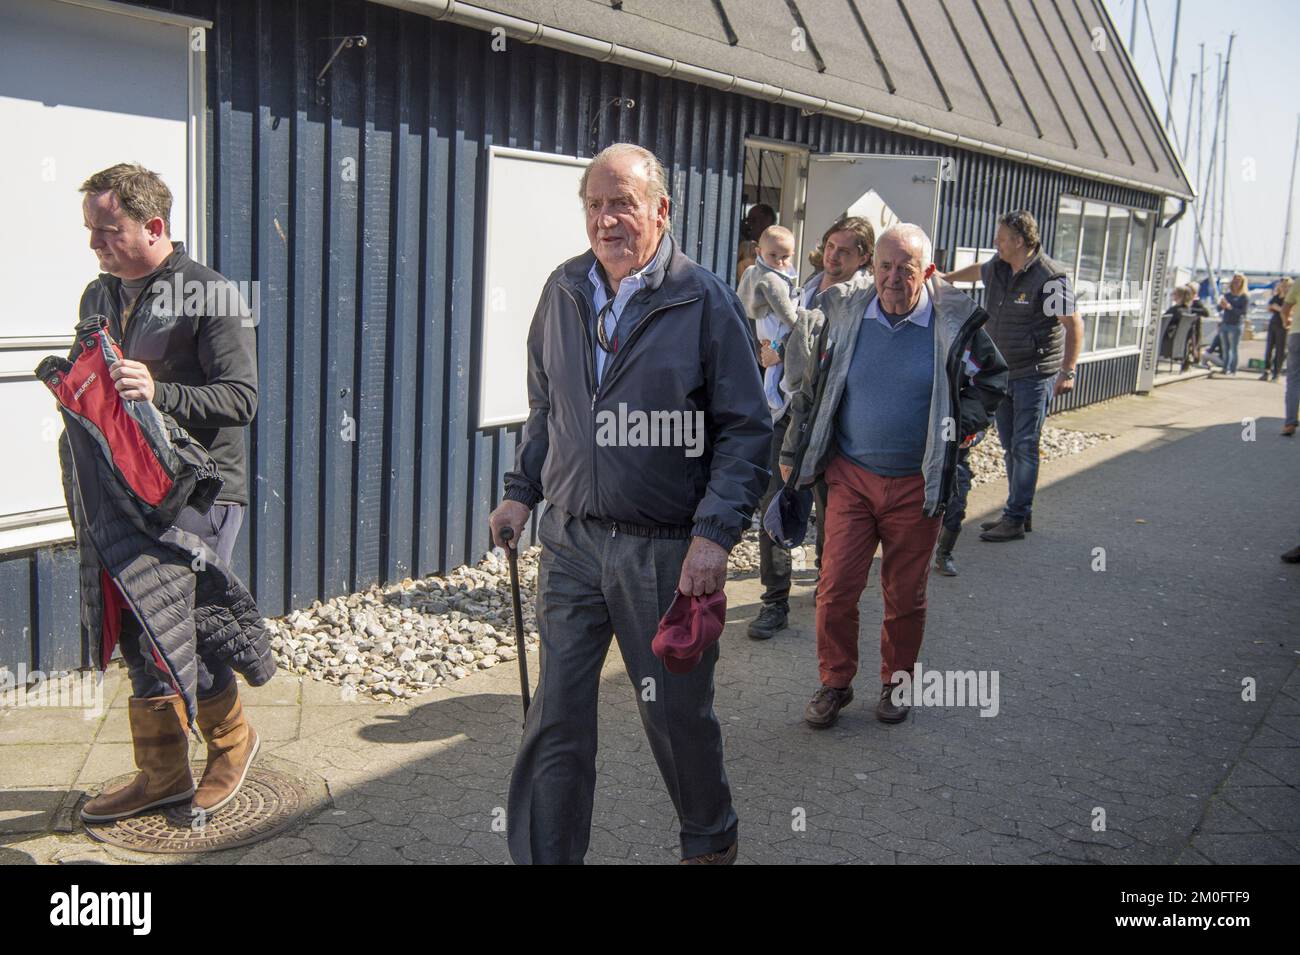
<point x="1288" y="430"/>
<point x="725" y="856"/>
<point x="1029" y="525"/>
<point x="232" y="744"/>
<point x="161" y="741"/>
<point x="824" y="708"/>
<point x="1004" y="530"/>
<point x="887" y="711"/>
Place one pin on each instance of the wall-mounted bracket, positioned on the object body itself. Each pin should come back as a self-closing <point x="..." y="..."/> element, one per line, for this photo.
<point x="624" y="102"/>
<point x="345" y="42"/>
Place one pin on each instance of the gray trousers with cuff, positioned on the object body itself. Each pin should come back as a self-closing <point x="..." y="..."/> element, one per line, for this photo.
<point x="592" y="585"/>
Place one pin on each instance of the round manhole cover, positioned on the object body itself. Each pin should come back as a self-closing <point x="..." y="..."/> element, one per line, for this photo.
<point x="267" y="803"/>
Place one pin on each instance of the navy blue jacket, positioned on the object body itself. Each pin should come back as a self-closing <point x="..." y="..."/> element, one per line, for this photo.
<point x="688" y="348"/>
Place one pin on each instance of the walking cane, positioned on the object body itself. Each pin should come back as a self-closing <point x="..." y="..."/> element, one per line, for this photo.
<point x="507" y="534"/>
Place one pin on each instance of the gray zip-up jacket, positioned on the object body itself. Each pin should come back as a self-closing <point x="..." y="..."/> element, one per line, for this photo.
<point x="688" y="350"/>
<point x="962" y="402"/>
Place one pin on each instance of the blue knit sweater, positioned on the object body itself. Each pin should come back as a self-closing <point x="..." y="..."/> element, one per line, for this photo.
<point x="883" y="417"/>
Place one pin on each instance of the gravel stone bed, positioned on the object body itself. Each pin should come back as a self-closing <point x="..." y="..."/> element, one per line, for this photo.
<point x="399" y="640"/>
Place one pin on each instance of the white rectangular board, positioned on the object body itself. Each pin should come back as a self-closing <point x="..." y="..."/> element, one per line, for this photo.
<point x="80" y="90"/>
<point x="534" y="223"/>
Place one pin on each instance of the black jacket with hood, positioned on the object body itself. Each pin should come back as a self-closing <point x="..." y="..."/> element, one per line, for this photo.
<point x="689" y="348"/>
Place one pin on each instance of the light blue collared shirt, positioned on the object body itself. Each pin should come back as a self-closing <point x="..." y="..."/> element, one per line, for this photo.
<point x="634" y="282"/>
<point x="917" y="316"/>
<point x="811" y="290"/>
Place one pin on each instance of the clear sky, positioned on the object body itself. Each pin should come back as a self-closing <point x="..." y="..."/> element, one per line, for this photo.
<point x="1264" y="99"/>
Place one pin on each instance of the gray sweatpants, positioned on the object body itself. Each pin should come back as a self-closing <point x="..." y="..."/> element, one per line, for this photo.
<point x="592" y="585"/>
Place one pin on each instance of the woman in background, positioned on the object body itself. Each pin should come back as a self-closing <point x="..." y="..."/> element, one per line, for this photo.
<point x="1233" y="305"/>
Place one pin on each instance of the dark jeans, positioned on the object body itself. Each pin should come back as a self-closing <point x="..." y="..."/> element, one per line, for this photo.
<point x="593" y="585"/>
<point x="955" y="512"/>
<point x="218" y="529"/>
<point x="773" y="559"/>
<point x="1275" y="348"/>
<point x="1020" y="420"/>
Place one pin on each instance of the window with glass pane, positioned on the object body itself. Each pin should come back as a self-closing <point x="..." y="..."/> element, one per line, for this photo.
<point x="1135" y="278"/>
<point x="1066" y="247"/>
<point x="1112" y="277"/>
<point x="1135" y="274"/>
<point x="1092" y="244"/>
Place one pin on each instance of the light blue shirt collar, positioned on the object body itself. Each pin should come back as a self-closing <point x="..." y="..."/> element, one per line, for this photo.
<point x="630" y="285"/>
<point x="812" y="289"/>
<point x="634" y="281"/>
<point x="918" y="316"/>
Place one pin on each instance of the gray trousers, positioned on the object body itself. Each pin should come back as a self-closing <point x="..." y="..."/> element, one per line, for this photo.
<point x="593" y="585"/>
<point x="1292" y="379"/>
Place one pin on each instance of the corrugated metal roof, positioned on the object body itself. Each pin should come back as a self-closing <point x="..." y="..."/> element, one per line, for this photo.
<point x="1049" y="78"/>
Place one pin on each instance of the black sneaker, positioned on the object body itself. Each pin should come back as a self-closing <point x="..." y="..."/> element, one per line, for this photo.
<point x="770" y="621"/>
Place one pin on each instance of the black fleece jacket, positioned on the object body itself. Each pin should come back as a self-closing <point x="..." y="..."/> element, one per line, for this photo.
<point x="200" y="347"/>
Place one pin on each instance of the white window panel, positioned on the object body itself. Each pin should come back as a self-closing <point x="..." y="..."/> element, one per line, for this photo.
<point x="89" y="84"/>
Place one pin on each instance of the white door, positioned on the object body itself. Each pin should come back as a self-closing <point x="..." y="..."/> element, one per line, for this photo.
<point x="882" y="189"/>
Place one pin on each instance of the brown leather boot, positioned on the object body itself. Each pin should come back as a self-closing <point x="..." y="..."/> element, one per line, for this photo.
<point x="1005" y="530"/>
<point x="887" y="711"/>
<point x="160" y="736"/>
<point x="824" y="708"/>
<point x="232" y="744"/>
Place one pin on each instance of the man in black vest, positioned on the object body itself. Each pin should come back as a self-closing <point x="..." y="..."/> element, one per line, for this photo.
<point x="1033" y="322"/>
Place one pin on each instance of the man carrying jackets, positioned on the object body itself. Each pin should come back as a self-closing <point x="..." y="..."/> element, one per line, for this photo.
<point x="912" y="376"/>
<point x="188" y="348"/>
<point x="630" y="331"/>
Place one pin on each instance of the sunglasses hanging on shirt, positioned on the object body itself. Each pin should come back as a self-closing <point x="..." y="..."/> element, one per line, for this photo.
<point x="608" y="346"/>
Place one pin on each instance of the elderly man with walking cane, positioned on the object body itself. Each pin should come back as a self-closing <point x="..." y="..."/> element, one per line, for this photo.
<point x="629" y="333"/>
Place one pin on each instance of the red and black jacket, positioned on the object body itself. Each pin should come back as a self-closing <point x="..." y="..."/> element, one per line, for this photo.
<point x="128" y="471"/>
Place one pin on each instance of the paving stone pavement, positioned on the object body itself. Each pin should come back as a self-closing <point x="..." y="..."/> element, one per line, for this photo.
<point x="1121" y="691"/>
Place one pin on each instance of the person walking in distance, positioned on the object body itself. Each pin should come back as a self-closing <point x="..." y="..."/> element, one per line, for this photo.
<point x="1275" y="347"/>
